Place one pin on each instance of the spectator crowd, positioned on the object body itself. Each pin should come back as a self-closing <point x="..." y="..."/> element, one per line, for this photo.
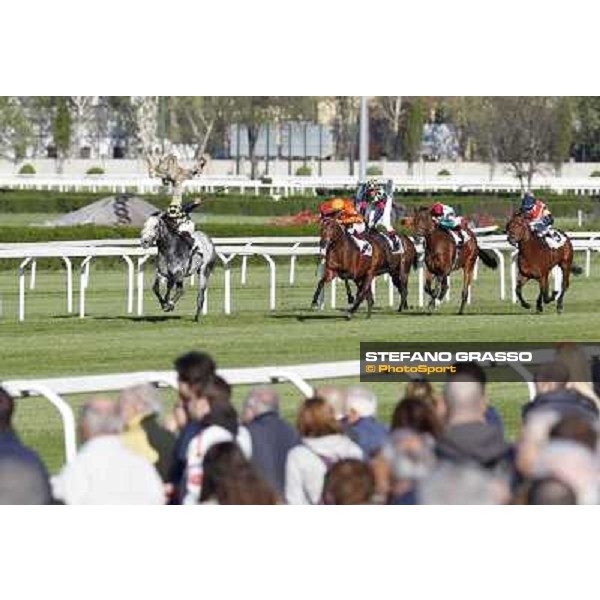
<point x="444" y="447"/>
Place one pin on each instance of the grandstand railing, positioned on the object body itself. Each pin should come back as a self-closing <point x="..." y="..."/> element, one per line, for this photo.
<point x="281" y="185"/>
<point x="54" y="389"/>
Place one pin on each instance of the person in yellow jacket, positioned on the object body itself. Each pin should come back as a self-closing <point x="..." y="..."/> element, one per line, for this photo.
<point x="344" y="211"/>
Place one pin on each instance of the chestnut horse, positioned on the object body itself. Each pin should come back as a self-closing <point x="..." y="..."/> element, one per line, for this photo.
<point x="535" y="260"/>
<point x="442" y="256"/>
<point x="343" y="259"/>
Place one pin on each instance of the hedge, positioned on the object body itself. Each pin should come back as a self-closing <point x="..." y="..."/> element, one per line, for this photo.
<point x="27" y="169"/>
<point x="237" y="204"/>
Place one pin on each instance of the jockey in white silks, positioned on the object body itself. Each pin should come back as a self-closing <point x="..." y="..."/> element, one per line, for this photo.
<point x="376" y="207"/>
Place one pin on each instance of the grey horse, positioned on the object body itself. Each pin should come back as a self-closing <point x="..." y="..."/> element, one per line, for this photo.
<point x="176" y="261"/>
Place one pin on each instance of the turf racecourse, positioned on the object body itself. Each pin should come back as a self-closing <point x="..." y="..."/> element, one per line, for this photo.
<point x="51" y="343"/>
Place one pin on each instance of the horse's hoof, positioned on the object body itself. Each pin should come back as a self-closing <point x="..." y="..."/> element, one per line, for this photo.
<point x="170" y="307"/>
<point x="348" y="316"/>
<point x="526" y="305"/>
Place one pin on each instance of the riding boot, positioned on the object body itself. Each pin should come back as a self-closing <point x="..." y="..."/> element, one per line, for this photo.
<point x="395" y="239"/>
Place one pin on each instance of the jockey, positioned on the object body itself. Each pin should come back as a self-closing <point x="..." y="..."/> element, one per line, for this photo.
<point x="178" y="217"/>
<point x="344" y="212"/>
<point x="537" y="214"/>
<point x="377" y="203"/>
<point x="445" y="217"/>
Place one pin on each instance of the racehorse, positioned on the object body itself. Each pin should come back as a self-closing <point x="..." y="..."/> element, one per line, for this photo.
<point x="176" y="261"/>
<point x="343" y="259"/>
<point x="535" y="260"/>
<point x="442" y="256"/>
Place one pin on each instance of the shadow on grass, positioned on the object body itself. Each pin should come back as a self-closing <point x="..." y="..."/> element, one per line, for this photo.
<point x="147" y="319"/>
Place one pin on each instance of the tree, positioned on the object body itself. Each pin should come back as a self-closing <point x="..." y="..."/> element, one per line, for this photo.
<point x="253" y="112"/>
<point x="61" y="130"/>
<point x="587" y="128"/>
<point x="15" y="128"/>
<point x="346" y="127"/>
<point x="413" y="132"/>
<point x="194" y="119"/>
<point x="563" y="131"/>
<point x="390" y="108"/>
<point x="146" y="117"/>
<point x="83" y="119"/>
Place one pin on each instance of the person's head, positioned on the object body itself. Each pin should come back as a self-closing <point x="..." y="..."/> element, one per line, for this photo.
<point x="421" y="389"/>
<point x="139" y="400"/>
<point x="472" y="369"/>
<point x="7" y="407"/>
<point x="194" y="371"/>
<point x="229" y="478"/>
<point x="410" y="456"/>
<point x="535" y="434"/>
<point x="260" y="400"/>
<point x="22" y="482"/>
<point x="572" y="356"/>
<point x="316" y="419"/>
<point x="349" y="481"/>
<point x="360" y="403"/>
<point x="577" y="429"/>
<point x="464" y="395"/>
<point x="550" y="377"/>
<point x="335" y="397"/>
<point x="99" y="417"/>
<point x="462" y="484"/>
<point x="214" y="405"/>
<point x="574" y="465"/>
<point x="417" y="415"/>
<point x="549" y="491"/>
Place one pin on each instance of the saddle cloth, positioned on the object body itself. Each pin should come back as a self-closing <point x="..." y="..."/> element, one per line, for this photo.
<point x="460" y="237"/>
<point x="390" y="243"/>
<point x="554" y="239"/>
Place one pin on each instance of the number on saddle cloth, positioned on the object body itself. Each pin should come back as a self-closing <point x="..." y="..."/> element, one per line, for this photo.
<point x="554" y="239"/>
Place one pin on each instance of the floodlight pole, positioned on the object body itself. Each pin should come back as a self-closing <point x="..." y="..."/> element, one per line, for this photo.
<point x="363" y="145"/>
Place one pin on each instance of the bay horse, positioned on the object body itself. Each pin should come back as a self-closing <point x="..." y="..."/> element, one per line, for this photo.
<point x="442" y="256"/>
<point x="343" y="259"/>
<point x="535" y="260"/>
<point x="176" y="261"/>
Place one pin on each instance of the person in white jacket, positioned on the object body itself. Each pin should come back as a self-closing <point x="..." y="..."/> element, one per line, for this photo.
<point x="323" y="444"/>
<point x="105" y="471"/>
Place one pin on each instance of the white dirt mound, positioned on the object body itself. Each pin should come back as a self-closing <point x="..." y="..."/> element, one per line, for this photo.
<point x="124" y="209"/>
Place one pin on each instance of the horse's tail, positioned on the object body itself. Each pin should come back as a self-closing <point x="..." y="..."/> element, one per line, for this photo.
<point x="489" y="258"/>
<point x="576" y="269"/>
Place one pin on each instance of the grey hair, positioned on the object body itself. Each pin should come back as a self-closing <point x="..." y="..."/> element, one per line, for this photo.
<point x="460" y="485"/>
<point x="262" y="399"/>
<point x="100" y="422"/>
<point x="362" y="400"/>
<point x="410" y="454"/>
<point x="463" y="394"/>
<point x="574" y="465"/>
<point x="144" y="396"/>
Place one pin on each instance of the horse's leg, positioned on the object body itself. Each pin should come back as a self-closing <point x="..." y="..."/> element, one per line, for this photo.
<point x="565" y="267"/>
<point x="443" y="287"/>
<point x="364" y="289"/>
<point x="400" y="281"/>
<point x="521" y="281"/>
<point x="327" y="277"/>
<point x="169" y="306"/>
<point x="349" y="294"/>
<point x="203" y="275"/>
<point x="543" y="294"/>
<point x="178" y="292"/>
<point x="370" y="302"/>
<point x="156" y="288"/>
<point x="467" y="280"/>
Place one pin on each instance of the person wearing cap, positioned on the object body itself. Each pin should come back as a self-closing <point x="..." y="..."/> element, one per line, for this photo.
<point x="537" y="214"/>
<point x="344" y="211"/>
<point x="375" y="205"/>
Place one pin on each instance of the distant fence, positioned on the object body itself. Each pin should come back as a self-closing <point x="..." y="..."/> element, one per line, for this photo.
<point x="285" y="186"/>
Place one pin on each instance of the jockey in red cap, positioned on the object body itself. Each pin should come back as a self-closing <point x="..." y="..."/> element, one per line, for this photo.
<point x="445" y="217"/>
